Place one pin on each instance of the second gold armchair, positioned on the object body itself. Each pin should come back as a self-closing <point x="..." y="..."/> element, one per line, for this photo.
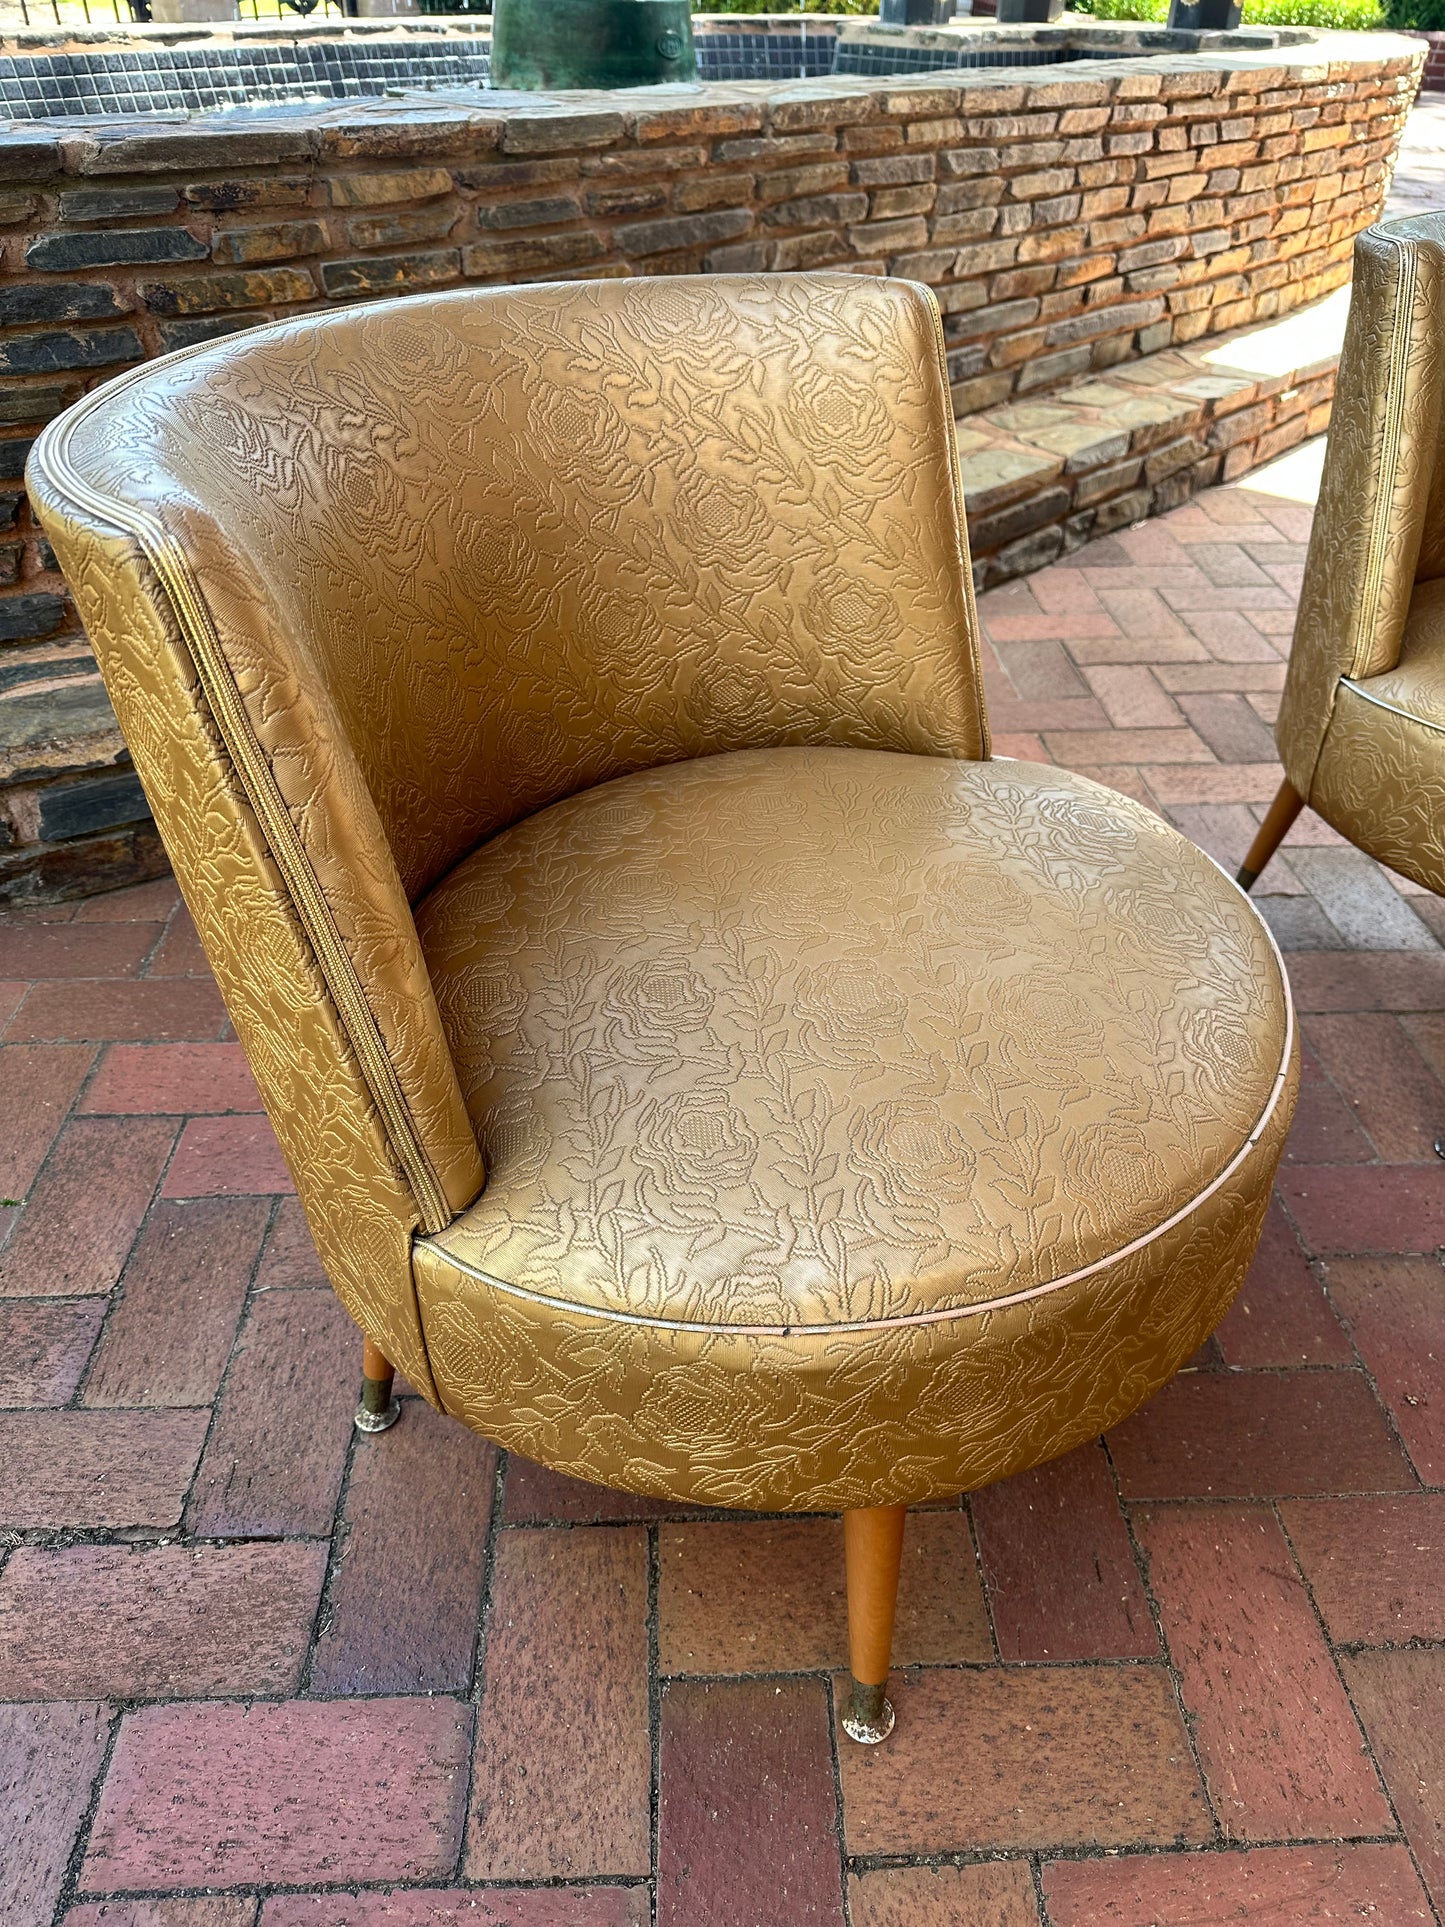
<point x="1362" y="727"/>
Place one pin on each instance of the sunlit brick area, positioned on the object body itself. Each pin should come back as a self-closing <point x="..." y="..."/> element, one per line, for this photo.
<point x="289" y="1677"/>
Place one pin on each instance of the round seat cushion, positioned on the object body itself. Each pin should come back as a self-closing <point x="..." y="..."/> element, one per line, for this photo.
<point x="858" y="1126"/>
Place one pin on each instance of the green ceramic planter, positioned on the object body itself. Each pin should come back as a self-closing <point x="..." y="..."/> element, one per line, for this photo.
<point x="591" y="43"/>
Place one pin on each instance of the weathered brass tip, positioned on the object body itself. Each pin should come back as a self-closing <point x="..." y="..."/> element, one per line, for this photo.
<point x="1246" y="878"/>
<point x="378" y="1410"/>
<point x="869" y="1718"/>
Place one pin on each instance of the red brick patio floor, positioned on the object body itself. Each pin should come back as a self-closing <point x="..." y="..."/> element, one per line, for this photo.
<point x="1193" y="1673"/>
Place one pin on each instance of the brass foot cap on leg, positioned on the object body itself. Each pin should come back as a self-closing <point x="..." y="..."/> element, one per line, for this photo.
<point x="378" y="1410"/>
<point x="869" y="1718"/>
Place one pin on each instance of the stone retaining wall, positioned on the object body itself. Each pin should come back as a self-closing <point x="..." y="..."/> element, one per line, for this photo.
<point x="1067" y="222"/>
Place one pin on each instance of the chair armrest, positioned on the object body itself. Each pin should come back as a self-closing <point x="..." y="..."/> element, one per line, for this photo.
<point x="1378" y="522"/>
<point x="314" y="982"/>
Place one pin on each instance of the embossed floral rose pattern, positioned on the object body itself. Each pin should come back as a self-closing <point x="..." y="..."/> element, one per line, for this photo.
<point x="910" y="1153"/>
<point x="655" y="1003"/>
<point x="838" y="419"/>
<point x="848" y="1005"/>
<point x="780" y="1063"/>
<point x="720" y="523"/>
<point x="695" y="1141"/>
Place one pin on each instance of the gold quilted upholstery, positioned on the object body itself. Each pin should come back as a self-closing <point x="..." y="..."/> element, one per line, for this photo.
<point x="864" y="1071"/>
<point x="1362" y="725"/>
<point x="701" y="1067"/>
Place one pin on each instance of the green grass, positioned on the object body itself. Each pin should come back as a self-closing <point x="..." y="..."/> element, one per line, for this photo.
<point x="1360" y="15"/>
<point x="1123" y="9"/>
<point x="786" y="6"/>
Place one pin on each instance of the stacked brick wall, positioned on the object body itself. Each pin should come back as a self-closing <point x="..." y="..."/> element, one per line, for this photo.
<point x="1066" y="224"/>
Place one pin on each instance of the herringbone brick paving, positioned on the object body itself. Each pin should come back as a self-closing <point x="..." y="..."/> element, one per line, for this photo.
<point x="258" y="1672"/>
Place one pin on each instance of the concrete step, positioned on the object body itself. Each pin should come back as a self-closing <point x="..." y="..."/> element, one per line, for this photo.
<point x="1045" y="475"/>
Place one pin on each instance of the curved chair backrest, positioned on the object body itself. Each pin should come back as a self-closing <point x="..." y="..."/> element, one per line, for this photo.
<point x="368" y="587"/>
<point x="506" y="545"/>
<point x="1379" y="528"/>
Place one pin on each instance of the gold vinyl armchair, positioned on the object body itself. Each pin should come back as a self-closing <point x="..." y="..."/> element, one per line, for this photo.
<point x="703" y="1069"/>
<point x="1361" y="730"/>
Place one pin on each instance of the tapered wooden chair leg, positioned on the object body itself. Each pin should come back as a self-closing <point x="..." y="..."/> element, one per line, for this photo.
<point x="1272" y="832"/>
<point x="378" y="1410"/>
<point x="873" y="1548"/>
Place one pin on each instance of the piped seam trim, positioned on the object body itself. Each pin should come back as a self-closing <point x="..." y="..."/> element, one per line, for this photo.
<point x="1408" y="715"/>
<point x="948" y="1314"/>
<point x="1392" y="430"/>
<point x="960" y="522"/>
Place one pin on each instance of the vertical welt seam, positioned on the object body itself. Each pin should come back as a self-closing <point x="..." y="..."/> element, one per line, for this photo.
<point x="1392" y="431"/>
